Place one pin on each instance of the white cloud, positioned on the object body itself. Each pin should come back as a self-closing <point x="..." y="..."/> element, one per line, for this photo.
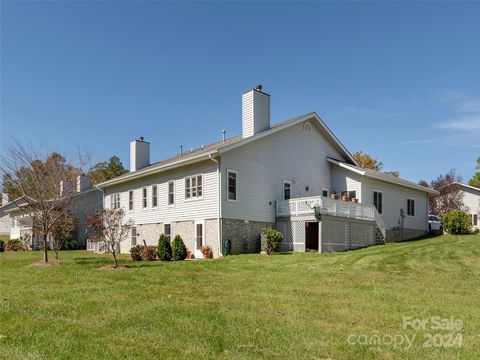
<point x="464" y="123"/>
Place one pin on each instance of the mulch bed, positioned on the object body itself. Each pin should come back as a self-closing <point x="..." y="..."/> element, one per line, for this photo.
<point x="50" y="263"/>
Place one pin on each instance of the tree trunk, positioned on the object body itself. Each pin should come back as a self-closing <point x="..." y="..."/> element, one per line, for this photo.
<point x="45" y="247"/>
<point x="114" y="258"/>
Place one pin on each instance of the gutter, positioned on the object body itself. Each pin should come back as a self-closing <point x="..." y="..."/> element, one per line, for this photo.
<point x="140" y="173"/>
<point x="219" y="187"/>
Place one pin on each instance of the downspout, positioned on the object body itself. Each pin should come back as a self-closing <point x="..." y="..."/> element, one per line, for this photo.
<point x="219" y="188"/>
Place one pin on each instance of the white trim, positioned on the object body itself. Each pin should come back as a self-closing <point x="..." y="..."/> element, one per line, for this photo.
<point x="236" y="186"/>
<point x="414" y="212"/>
<point x="133" y="200"/>
<point x="172" y="205"/>
<point x="373" y="200"/>
<point x="151" y="196"/>
<point x="191" y="198"/>
<point x="198" y="252"/>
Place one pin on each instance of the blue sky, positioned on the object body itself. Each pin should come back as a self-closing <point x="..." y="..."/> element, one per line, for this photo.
<point x="400" y="81"/>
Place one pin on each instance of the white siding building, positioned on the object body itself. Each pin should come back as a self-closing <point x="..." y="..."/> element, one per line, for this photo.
<point x="471" y="201"/>
<point x="232" y="189"/>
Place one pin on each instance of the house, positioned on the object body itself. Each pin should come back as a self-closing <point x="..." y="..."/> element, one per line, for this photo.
<point x="471" y="201"/>
<point x="279" y="175"/>
<point x="85" y="200"/>
<point x="5" y="221"/>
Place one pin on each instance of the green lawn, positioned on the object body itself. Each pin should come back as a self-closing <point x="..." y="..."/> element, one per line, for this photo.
<point x="286" y="306"/>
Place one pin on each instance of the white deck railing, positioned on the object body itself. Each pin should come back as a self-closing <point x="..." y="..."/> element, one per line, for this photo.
<point x="327" y="206"/>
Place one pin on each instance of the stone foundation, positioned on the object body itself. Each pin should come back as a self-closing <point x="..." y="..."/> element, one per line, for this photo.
<point x="394" y="235"/>
<point x="244" y="235"/>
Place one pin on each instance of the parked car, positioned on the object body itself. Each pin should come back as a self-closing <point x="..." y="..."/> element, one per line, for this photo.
<point x="434" y="223"/>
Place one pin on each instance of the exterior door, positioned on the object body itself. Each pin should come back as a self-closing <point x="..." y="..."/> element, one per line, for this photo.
<point x="199" y="237"/>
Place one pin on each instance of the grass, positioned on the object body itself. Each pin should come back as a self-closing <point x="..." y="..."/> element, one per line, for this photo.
<point x="286" y="306"/>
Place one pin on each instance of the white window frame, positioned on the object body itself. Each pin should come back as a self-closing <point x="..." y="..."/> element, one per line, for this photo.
<point x="144" y="198"/>
<point x="168" y="193"/>
<point x="131" y="197"/>
<point x="283" y="189"/>
<point x="228" y="185"/>
<point x="164" y="232"/>
<point x="133" y="230"/>
<point x="199" y="222"/>
<point x="413" y="207"/>
<point x="373" y="200"/>
<point x="196" y="197"/>
<point x="325" y="190"/>
<point x="154" y="197"/>
<point x="115" y="201"/>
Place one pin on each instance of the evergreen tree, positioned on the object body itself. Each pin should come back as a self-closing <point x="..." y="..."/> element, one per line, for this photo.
<point x="179" y="251"/>
<point x="164" y="250"/>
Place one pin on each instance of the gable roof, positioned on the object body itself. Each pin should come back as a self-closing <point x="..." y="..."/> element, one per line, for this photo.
<point x="378" y="175"/>
<point x="467" y="186"/>
<point x="216" y="149"/>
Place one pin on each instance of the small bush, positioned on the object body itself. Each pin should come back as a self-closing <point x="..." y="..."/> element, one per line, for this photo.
<point x="457" y="222"/>
<point x="274" y="239"/>
<point x="164" y="249"/>
<point x="135" y="253"/>
<point x="149" y="253"/>
<point x="207" y="252"/>
<point x="71" y="245"/>
<point x="14" y="245"/>
<point x="179" y="251"/>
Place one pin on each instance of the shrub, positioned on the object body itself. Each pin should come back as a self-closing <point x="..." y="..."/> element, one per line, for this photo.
<point x="149" y="253"/>
<point x="71" y="245"/>
<point x="164" y="249"/>
<point x="2" y="248"/>
<point x="274" y="239"/>
<point x="207" y="252"/>
<point x="14" y="245"/>
<point x="135" y="253"/>
<point x="179" y="251"/>
<point x="457" y="222"/>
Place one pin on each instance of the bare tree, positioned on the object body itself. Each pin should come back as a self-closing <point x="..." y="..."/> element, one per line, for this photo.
<point x="43" y="184"/>
<point x="62" y="230"/>
<point x="109" y="228"/>
<point x="450" y="197"/>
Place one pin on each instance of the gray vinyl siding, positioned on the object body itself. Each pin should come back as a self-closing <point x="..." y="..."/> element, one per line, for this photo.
<point x="204" y="208"/>
<point x="471" y="200"/>
<point x="292" y="154"/>
<point x="394" y="198"/>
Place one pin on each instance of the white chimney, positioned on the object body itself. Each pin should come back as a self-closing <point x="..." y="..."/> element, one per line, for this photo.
<point x="66" y="188"/>
<point x="255" y="111"/>
<point x="139" y="154"/>
<point x="5" y="199"/>
<point x="83" y="183"/>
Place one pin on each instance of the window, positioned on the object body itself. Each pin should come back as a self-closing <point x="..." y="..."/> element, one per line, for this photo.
<point x="154" y="195"/>
<point x="167" y="230"/>
<point x="410" y="207"/>
<point x="324" y="192"/>
<point x="130" y="200"/>
<point x="193" y="187"/>
<point x="133" y="235"/>
<point x="378" y="201"/>
<point x="287" y="190"/>
<point x="171" y="193"/>
<point x="474" y="219"/>
<point x="115" y="201"/>
<point x="232" y="185"/>
<point x="144" y="197"/>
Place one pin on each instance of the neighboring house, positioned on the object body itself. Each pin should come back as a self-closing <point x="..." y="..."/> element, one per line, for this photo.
<point x="84" y="201"/>
<point x="271" y="175"/>
<point x="5" y="222"/>
<point x="471" y="201"/>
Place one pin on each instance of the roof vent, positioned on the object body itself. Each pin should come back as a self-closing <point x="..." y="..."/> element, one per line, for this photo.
<point x="224" y="132"/>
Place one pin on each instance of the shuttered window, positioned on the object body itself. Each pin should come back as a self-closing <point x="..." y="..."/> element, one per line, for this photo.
<point x="171" y="193"/>
<point x="410" y="207"/>
<point x="130" y="200"/>
<point x="232" y="185"/>
<point x="144" y="197"/>
<point x="154" y="196"/>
